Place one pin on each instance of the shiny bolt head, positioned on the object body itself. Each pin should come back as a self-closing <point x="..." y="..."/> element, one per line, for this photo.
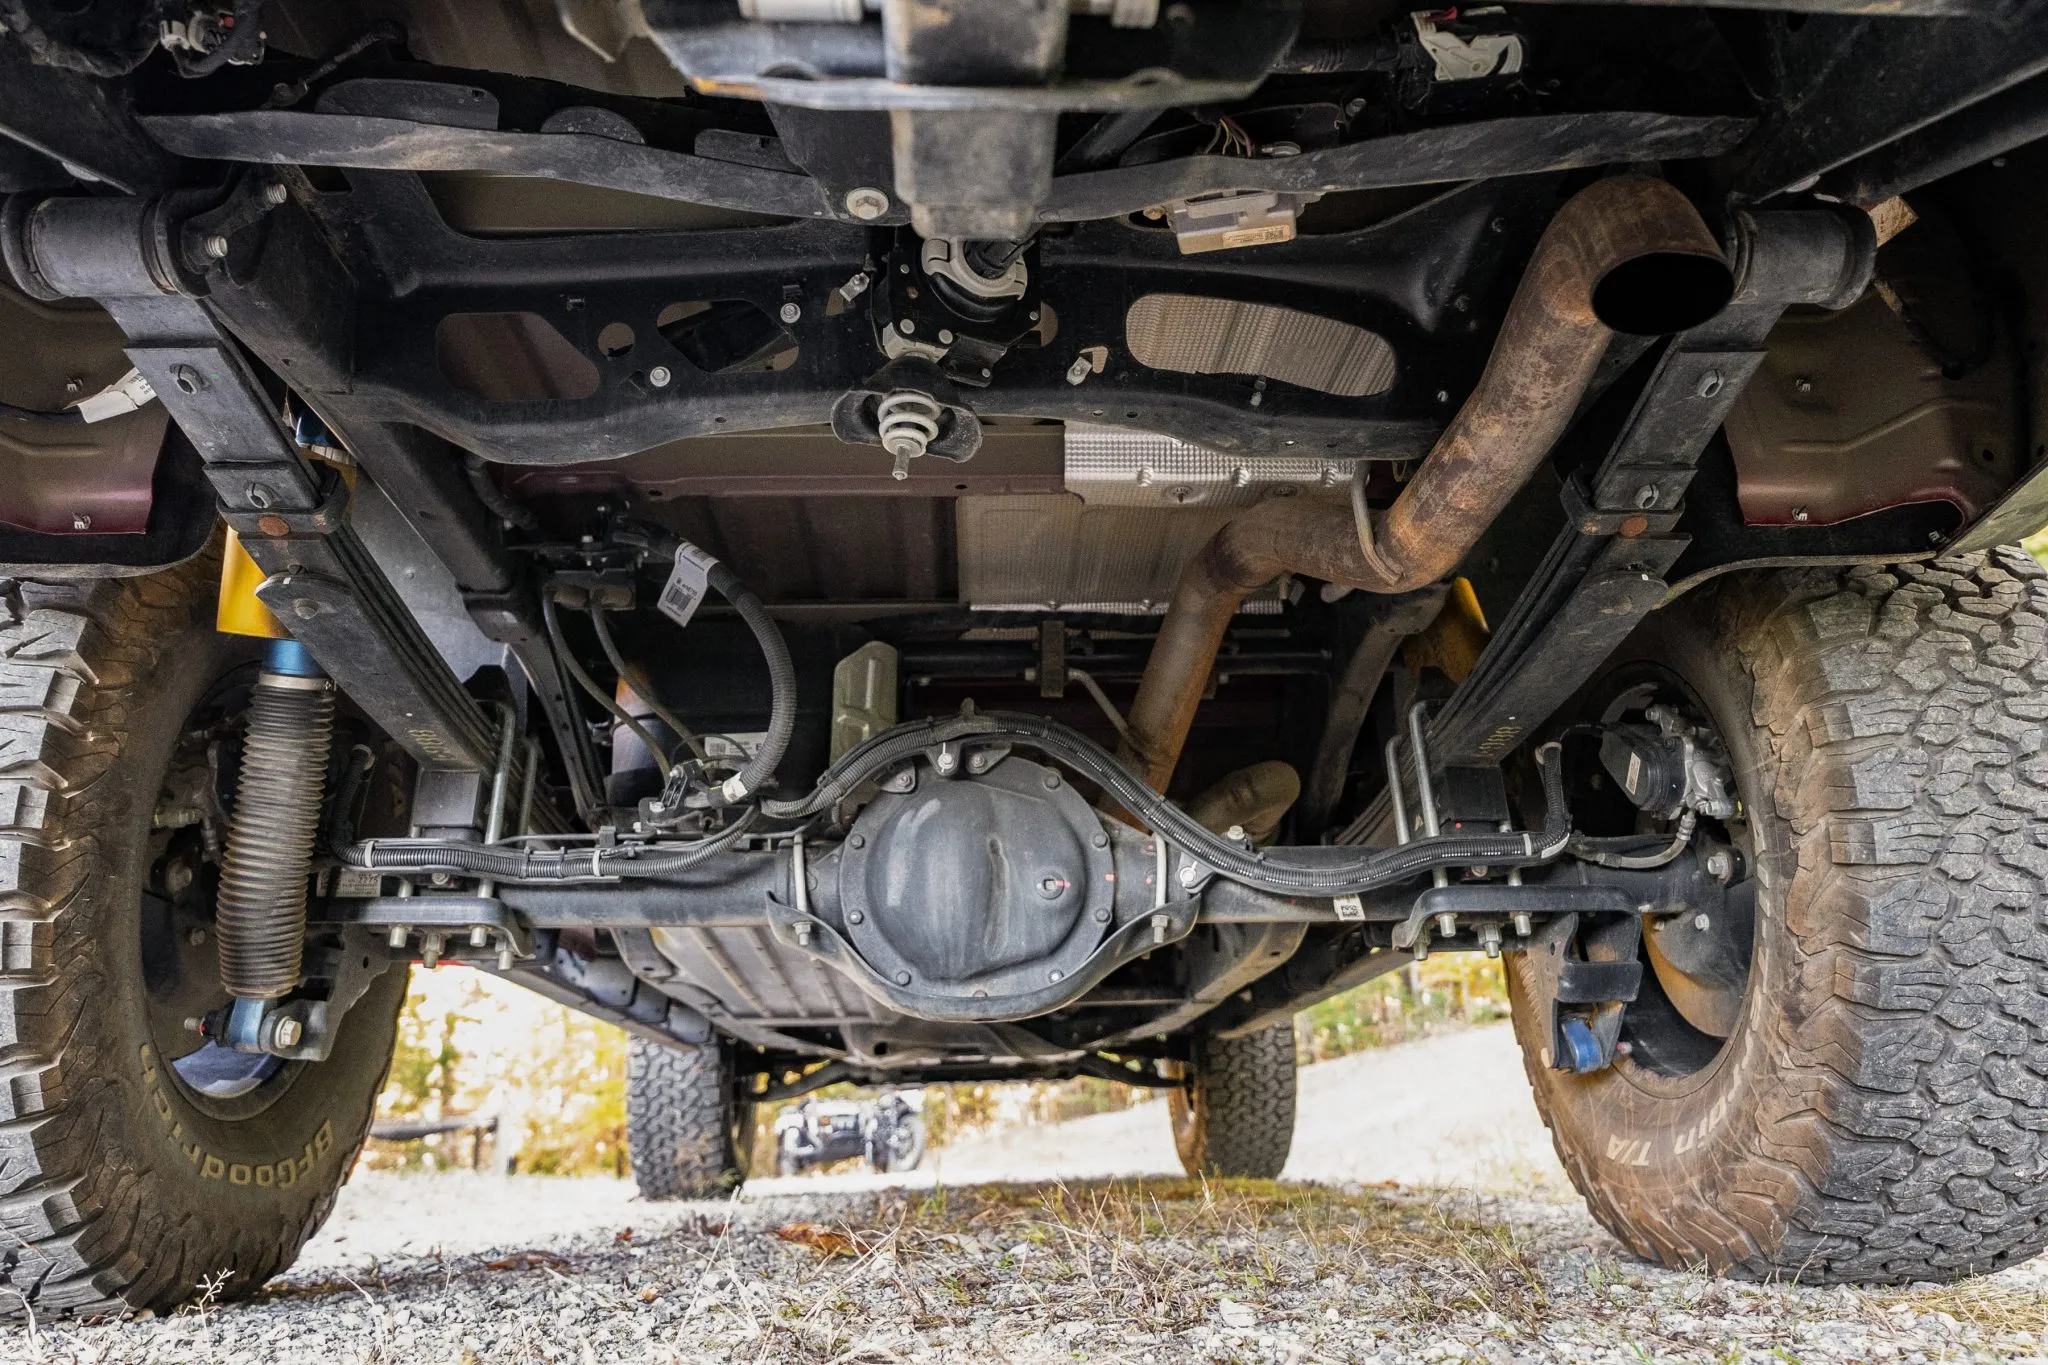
<point x="217" y="245"/>
<point x="1051" y="781"/>
<point x="945" y="762"/>
<point x="288" y="1032"/>
<point x="659" y="376"/>
<point x="1719" y="864"/>
<point x="856" y="917"/>
<point x="1100" y="840"/>
<point x="790" y="311"/>
<point x="1102" y="915"/>
<point x="1646" y="496"/>
<point x="903" y="978"/>
<point x="1235" y="834"/>
<point x="856" y="841"/>
<point x="1189" y="874"/>
<point x="866" y="203"/>
<point x="1054" y="975"/>
<point x="945" y="336"/>
<point x="1702" y="922"/>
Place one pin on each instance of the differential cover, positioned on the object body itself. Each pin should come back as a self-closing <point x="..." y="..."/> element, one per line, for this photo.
<point x="994" y="885"/>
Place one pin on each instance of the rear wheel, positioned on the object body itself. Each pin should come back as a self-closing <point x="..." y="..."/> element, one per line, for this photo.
<point x="137" y="1159"/>
<point x="1235" y="1114"/>
<point x="691" y="1134"/>
<point x="1850" y="1086"/>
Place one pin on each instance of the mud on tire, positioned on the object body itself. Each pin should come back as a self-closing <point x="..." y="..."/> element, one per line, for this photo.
<point x="1235" y="1117"/>
<point x="119" y="1183"/>
<point x="690" y="1135"/>
<point x="1880" y="1112"/>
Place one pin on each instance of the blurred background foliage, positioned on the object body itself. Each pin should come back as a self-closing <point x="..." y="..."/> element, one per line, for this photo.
<point x="555" y="1080"/>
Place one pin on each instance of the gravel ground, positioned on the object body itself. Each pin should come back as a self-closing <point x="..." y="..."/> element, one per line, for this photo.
<point x="1354" y="1257"/>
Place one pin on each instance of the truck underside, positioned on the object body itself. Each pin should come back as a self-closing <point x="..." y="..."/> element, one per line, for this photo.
<point x="965" y="539"/>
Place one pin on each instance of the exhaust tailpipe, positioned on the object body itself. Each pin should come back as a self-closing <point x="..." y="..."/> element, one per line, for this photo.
<point x="1627" y="254"/>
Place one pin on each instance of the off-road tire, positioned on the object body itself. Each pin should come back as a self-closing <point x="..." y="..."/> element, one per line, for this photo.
<point x="116" y="1188"/>
<point x="1235" y="1114"/>
<point x="689" y="1134"/>
<point x="1880" y="1112"/>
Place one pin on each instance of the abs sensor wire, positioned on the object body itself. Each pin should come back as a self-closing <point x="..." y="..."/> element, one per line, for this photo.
<point x="598" y="694"/>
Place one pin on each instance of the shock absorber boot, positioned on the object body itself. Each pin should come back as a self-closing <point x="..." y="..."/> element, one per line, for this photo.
<point x="261" y="910"/>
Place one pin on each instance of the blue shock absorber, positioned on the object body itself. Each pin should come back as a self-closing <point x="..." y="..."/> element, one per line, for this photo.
<point x="260" y="916"/>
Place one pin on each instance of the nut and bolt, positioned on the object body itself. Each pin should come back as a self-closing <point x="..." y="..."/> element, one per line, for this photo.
<point x="430" y="949"/>
<point x="1235" y="834"/>
<point x="1446" y="925"/>
<point x="945" y="336"/>
<point x="398" y="935"/>
<point x="945" y="762"/>
<point x="907" y="327"/>
<point x="1524" y="926"/>
<point x="856" y="917"/>
<point x="903" y="978"/>
<point x="1489" y="939"/>
<point x="287" y="1033"/>
<point x="790" y="311"/>
<point x="856" y="841"/>
<point x="1702" y="922"/>
<point x="659" y="376"/>
<point x="802" y="930"/>
<point x="866" y="203"/>
<point x="505" y="957"/>
<point x="1189" y="874"/>
<point x="1054" y="975"/>
<point x="1052" y="782"/>
<point x="217" y="245"/>
<point x="275" y="194"/>
<point x="1100" y="840"/>
<point x="479" y="936"/>
<point x="1719" y="864"/>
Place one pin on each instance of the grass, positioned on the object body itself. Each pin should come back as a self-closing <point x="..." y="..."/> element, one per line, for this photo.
<point x="1161" y="1255"/>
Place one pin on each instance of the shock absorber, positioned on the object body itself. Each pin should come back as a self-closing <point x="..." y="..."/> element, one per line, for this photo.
<point x="261" y="910"/>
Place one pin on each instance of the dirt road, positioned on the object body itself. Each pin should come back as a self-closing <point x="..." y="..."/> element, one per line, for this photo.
<point x="1057" y="1263"/>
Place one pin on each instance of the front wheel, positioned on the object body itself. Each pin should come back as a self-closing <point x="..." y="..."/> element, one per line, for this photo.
<point x="1846" y="1085"/>
<point x="690" y="1133"/>
<point x="1234" y="1116"/>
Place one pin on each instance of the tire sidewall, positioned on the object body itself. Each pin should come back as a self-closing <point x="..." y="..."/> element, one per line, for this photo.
<point x="259" y="1184"/>
<point x="1639" y="1142"/>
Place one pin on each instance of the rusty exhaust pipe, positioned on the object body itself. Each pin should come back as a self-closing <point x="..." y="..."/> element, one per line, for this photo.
<point x="1627" y="254"/>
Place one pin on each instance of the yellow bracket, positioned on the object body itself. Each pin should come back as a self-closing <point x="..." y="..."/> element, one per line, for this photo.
<point x="241" y="612"/>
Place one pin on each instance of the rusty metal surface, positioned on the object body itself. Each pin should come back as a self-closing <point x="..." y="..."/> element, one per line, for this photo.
<point x="1630" y="245"/>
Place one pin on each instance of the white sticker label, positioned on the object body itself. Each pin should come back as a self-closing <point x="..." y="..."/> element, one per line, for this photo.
<point x="687" y="583"/>
<point x="1635" y="771"/>
<point x="1350" y="908"/>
